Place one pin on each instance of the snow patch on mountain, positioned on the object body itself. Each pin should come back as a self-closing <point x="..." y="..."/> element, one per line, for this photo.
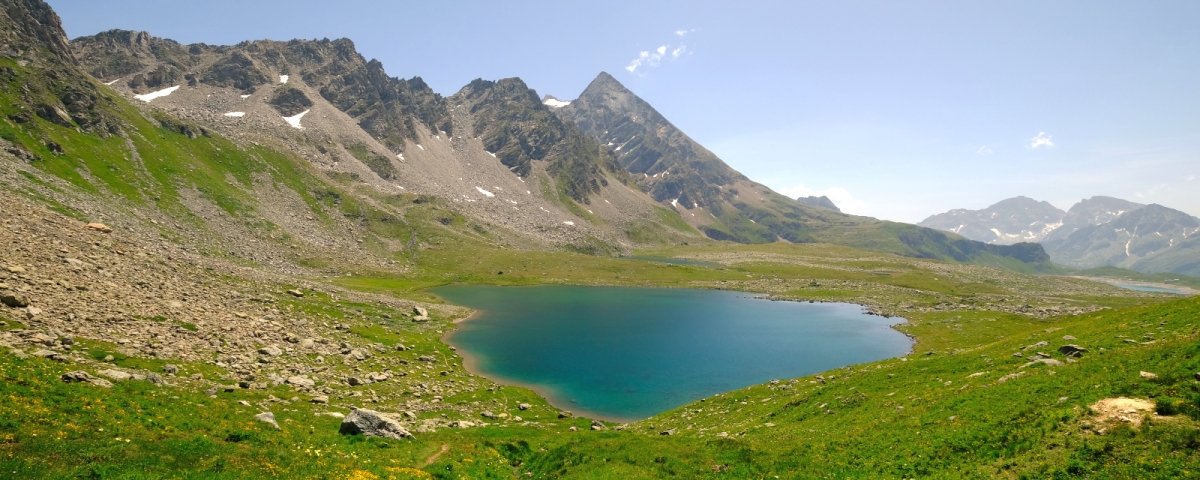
<point x="294" y="120"/>
<point x="159" y="94"/>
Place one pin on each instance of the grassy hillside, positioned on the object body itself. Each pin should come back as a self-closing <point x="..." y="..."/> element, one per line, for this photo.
<point x="941" y="412"/>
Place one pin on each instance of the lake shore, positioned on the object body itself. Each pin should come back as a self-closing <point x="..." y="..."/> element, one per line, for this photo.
<point x="471" y="364"/>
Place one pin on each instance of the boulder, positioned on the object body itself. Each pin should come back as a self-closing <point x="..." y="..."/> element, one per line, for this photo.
<point x="1144" y="375"/>
<point x="307" y="343"/>
<point x="564" y="414"/>
<point x="170" y="369"/>
<point x="420" y="312"/>
<point x="115" y="375"/>
<point x="31" y="312"/>
<point x="267" y="417"/>
<point x="320" y="399"/>
<point x="81" y="376"/>
<point x="270" y="350"/>
<point x="295" y="293"/>
<point x="372" y="424"/>
<point x="300" y="381"/>
<point x="426" y="358"/>
<point x="99" y="227"/>
<point x="596" y="425"/>
<point x="15" y="300"/>
<point x="524" y="406"/>
<point x="359" y="354"/>
<point x="1072" y="350"/>
<point x="50" y="354"/>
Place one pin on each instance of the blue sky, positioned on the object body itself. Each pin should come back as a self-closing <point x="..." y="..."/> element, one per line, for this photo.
<point x="897" y="110"/>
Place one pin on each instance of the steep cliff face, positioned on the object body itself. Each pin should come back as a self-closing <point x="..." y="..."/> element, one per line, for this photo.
<point x="519" y="130"/>
<point x="47" y="83"/>
<point x="392" y="110"/>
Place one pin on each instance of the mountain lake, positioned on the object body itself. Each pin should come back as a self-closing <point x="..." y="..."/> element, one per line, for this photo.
<point x="627" y="353"/>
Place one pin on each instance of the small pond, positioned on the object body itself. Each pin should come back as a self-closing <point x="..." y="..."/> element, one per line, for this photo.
<point x="624" y="353"/>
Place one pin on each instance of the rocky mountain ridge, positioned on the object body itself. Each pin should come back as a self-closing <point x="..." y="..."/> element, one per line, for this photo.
<point x="517" y="173"/>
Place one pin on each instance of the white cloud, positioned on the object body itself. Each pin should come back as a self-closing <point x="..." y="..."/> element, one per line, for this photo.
<point x="648" y="59"/>
<point x="1041" y="140"/>
<point x="655" y="57"/>
<point x="840" y="196"/>
<point x="985" y="150"/>
<point x="1191" y="177"/>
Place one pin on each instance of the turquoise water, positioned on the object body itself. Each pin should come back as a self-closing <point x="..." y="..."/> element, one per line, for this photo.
<point x="619" y="353"/>
<point x="1147" y="288"/>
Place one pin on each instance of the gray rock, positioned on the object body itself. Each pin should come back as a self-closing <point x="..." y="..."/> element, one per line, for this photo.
<point x="359" y="354"/>
<point x="564" y="414"/>
<point x="115" y="375"/>
<point x="420" y="311"/>
<point x="155" y="379"/>
<point x="300" y="381"/>
<point x="1068" y="337"/>
<point x="295" y="293"/>
<point x="372" y="424"/>
<point x="50" y="354"/>
<point x="524" y="406"/>
<point x="307" y="343"/>
<point x="461" y="424"/>
<point x="270" y="350"/>
<point x="1037" y="345"/>
<point x="1009" y="377"/>
<point x="596" y="425"/>
<point x="667" y="432"/>
<point x="426" y="358"/>
<point x="320" y="399"/>
<point x="81" y="376"/>
<point x="15" y="300"/>
<point x="355" y="381"/>
<point x="31" y="312"/>
<point x="267" y="417"/>
<point x="1144" y="375"/>
<point x="170" y="369"/>
<point x="1072" y="350"/>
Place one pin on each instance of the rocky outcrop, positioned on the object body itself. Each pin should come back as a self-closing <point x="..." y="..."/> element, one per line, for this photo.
<point x="821" y="201"/>
<point x="372" y="424"/>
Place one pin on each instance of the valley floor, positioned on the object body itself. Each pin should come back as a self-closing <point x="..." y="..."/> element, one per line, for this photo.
<point x="181" y="351"/>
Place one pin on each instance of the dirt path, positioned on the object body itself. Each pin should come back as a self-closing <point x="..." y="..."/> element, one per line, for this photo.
<point x="429" y="461"/>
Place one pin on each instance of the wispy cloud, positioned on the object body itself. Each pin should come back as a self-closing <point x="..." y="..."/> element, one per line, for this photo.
<point x="840" y="196"/>
<point x="648" y="59"/>
<point x="1041" y="140"/>
<point x="654" y="58"/>
<point x="1191" y="177"/>
<point x="985" y="150"/>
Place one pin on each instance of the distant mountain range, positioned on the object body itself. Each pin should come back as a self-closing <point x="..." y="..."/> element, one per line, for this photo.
<point x="1096" y="232"/>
